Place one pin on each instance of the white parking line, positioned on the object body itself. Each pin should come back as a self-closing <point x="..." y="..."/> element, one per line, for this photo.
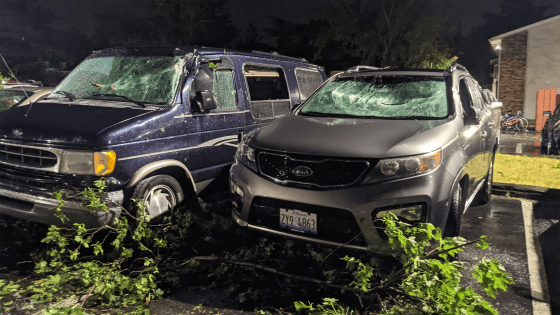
<point x="518" y="149"/>
<point x="537" y="273"/>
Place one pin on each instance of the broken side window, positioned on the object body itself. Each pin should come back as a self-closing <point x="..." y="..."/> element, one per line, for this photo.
<point x="224" y="89"/>
<point x="399" y="97"/>
<point x="308" y="81"/>
<point x="268" y="91"/>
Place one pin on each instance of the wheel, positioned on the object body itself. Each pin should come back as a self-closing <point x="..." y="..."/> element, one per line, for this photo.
<point x="160" y="194"/>
<point x="553" y="143"/>
<point x="524" y="124"/>
<point x="453" y="224"/>
<point x="485" y="193"/>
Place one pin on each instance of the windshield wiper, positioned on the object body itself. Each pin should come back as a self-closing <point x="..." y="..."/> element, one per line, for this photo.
<point x="318" y="114"/>
<point x="70" y="96"/>
<point x="128" y="99"/>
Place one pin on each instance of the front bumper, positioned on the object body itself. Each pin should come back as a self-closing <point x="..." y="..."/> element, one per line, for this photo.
<point x="37" y="206"/>
<point x="431" y="189"/>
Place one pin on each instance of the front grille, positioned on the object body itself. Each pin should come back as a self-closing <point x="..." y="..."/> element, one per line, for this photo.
<point x="43" y="180"/>
<point x="310" y="170"/>
<point x="27" y="156"/>
<point x="335" y="225"/>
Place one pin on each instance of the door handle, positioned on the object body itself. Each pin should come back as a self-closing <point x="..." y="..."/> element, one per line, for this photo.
<point x="491" y="122"/>
<point x="484" y="134"/>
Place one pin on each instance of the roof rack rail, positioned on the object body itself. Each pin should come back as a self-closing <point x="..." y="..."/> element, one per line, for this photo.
<point x="275" y="54"/>
<point x="362" y="68"/>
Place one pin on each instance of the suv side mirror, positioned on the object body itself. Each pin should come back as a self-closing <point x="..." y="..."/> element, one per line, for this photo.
<point x="472" y="116"/>
<point x="206" y="100"/>
<point x="496" y="105"/>
<point x="546" y="113"/>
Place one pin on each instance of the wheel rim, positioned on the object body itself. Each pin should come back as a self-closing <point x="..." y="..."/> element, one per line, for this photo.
<point x="159" y="199"/>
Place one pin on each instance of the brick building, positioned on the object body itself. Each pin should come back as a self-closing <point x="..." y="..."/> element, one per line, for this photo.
<point x="528" y="60"/>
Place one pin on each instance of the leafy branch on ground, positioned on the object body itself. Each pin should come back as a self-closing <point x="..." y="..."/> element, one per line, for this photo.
<point x="127" y="265"/>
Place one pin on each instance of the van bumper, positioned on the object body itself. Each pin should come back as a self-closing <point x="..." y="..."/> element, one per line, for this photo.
<point x="37" y="206"/>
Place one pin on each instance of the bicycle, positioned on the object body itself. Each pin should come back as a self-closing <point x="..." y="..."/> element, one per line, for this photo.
<point x="514" y="122"/>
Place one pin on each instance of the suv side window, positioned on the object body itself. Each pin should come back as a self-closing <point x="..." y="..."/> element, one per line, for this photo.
<point x="268" y="90"/>
<point x="466" y="95"/>
<point x="308" y="80"/>
<point x="474" y="91"/>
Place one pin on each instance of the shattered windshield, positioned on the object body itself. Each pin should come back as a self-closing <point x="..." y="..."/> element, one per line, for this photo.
<point x="142" y="79"/>
<point x="9" y="98"/>
<point x="381" y="96"/>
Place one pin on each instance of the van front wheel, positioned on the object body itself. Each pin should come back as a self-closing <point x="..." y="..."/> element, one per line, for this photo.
<point x="160" y="194"/>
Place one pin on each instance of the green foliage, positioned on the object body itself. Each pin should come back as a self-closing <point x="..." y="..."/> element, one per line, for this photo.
<point x="7" y="288"/>
<point x="428" y="280"/>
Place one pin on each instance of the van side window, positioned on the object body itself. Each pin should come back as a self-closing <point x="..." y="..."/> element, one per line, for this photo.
<point x="224" y="89"/>
<point x="268" y="91"/>
<point x="308" y="80"/>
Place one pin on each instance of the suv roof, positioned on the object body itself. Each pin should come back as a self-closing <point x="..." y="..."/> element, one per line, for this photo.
<point x="419" y="71"/>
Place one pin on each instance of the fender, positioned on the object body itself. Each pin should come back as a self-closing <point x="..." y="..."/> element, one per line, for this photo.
<point x="151" y="167"/>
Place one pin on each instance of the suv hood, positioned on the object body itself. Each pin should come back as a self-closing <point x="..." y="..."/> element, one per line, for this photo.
<point x="354" y="138"/>
<point x="77" y="123"/>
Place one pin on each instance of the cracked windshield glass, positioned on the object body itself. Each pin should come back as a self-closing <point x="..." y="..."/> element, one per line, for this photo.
<point x="381" y="97"/>
<point x="9" y="98"/>
<point x="141" y="79"/>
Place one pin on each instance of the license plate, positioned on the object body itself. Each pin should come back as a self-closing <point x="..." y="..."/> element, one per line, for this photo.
<point x="298" y="220"/>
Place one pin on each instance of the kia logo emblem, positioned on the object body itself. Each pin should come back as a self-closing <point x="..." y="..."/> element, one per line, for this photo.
<point x="302" y="171"/>
<point x="17" y="132"/>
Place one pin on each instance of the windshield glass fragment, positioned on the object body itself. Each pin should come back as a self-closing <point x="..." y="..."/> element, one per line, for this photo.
<point x="382" y="97"/>
<point x="9" y="98"/>
<point x="143" y="79"/>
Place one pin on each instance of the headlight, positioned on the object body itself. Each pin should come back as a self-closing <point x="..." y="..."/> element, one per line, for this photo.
<point x="390" y="169"/>
<point x="246" y="154"/>
<point x="88" y="163"/>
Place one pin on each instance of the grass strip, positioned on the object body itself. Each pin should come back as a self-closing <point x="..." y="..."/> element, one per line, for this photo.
<point x="527" y="170"/>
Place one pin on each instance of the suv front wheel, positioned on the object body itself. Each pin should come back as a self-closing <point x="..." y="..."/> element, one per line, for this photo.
<point x="453" y="225"/>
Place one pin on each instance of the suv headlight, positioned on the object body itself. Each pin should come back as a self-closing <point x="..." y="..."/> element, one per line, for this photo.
<point x="245" y="153"/>
<point x="88" y="163"/>
<point x="389" y="169"/>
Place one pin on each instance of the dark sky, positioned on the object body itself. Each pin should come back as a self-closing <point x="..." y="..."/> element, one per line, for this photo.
<point x="463" y="15"/>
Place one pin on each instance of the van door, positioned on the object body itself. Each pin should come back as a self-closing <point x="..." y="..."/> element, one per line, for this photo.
<point x="219" y="127"/>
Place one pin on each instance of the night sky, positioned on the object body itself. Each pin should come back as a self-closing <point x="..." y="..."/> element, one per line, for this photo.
<point x="471" y="22"/>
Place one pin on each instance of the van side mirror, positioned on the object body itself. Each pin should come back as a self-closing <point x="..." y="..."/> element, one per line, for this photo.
<point x="472" y="116"/>
<point x="206" y="100"/>
<point x="496" y="105"/>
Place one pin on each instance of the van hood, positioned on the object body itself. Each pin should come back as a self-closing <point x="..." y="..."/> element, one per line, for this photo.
<point x="76" y="123"/>
<point x="354" y="138"/>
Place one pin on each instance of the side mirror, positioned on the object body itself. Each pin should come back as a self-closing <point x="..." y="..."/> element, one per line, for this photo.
<point x="206" y="100"/>
<point x="496" y="105"/>
<point x="472" y="116"/>
<point x="547" y="113"/>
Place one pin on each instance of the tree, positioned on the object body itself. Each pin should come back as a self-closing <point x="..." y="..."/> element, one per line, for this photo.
<point x="386" y="33"/>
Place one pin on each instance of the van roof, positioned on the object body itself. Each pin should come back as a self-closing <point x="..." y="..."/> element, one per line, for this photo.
<point x="201" y="51"/>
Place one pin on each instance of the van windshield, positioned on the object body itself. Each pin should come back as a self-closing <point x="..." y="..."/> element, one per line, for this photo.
<point x="397" y="97"/>
<point x="143" y="79"/>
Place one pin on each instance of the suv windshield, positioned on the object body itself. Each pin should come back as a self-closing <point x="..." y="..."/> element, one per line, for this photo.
<point x="142" y="79"/>
<point x="399" y="97"/>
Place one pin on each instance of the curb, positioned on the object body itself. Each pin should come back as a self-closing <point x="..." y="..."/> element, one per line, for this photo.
<point x="527" y="192"/>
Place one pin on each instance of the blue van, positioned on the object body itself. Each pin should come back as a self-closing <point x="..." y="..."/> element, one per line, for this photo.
<point x="160" y="124"/>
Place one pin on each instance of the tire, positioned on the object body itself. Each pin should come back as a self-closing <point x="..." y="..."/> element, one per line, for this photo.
<point x="160" y="194"/>
<point x="553" y="146"/>
<point x="485" y="193"/>
<point x="453" y="224"/>
<point x="524" y="124"/>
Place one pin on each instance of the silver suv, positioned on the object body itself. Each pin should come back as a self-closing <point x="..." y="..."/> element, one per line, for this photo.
<point x="417" y="143"/>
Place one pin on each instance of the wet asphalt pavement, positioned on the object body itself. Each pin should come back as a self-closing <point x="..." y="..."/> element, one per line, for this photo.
<point x="521" y="142"/>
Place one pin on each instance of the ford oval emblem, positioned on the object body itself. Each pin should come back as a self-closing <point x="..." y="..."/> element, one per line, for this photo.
<point x="17" y="132"/>
<point x="302" y="171"/>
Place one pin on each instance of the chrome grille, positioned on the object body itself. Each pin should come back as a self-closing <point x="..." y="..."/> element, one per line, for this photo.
<point x="27" y="156"/>
<point x="322" y="172"/>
